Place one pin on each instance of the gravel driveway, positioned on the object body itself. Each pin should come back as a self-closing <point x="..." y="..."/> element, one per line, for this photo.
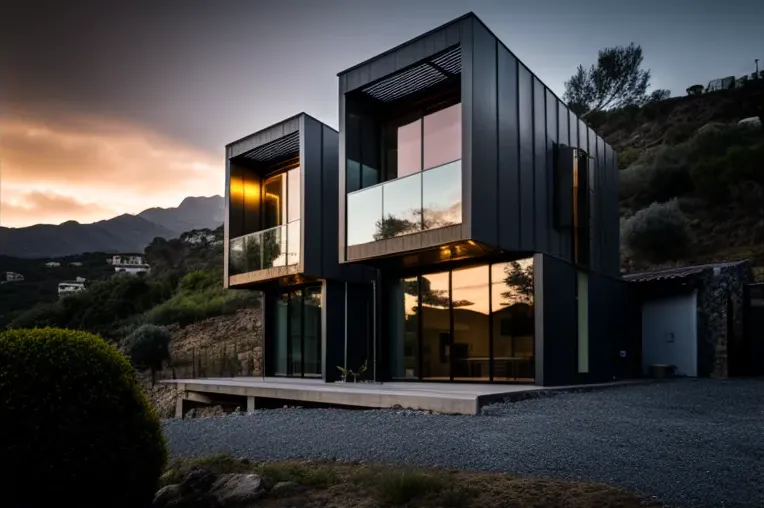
<point x="690" y="442"/>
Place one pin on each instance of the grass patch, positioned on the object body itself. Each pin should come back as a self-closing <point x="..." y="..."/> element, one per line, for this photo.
<point x="378" y="486"/>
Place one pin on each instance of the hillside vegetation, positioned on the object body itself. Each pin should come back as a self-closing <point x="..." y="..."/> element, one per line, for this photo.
<point x="692" y="181"/>
<point x="183" y="287"/>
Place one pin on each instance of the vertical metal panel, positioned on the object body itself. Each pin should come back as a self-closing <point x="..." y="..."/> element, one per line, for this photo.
<point x="227" y="219"/>
<point x="563" y="128"/>
<point x="612" y="214"/>
<point x="311" y="159"/>
<point x="467" y="137"/>
<point x="341" y="169"/>
<point x="541" y="182"/>
<point x="330" y="204"/>
<point x="484" y="163"/>
<point x="332" y="328"/>
<point x="583" y="136"/>
<point x="525" y="126"/>
<point x="508" y="156"/>
<point x="573" y="130"/>
<point x="595" y="224"/>
<point x="603" y="245"/>
<point x="560" y="322"/>
<point x="551" y="140"/>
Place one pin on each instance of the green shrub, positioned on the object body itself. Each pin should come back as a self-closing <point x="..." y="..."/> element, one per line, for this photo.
<point x="149" y="348"/>
<point x="657" y="233"/>
<point x="75" y="421"/>
<point x="39" y="316"/>
<point x="187" y="308"/>
<point x="714" y="177"/>
<point x="627" y="157"/>
<point x="646" y="183"/>
<point x="679" y="133"/>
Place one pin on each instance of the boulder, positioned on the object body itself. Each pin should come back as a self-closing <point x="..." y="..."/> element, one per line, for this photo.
<point x="234" y="490"/>
<point x="283" y="489"/>
<point x="753" y="122"/>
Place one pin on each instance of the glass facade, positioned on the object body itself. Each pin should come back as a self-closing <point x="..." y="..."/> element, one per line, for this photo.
<point x="422" y="188"/>
<point x="470" y="324"/>
<point x="279" y="240"/>
<point x="296" y="349"/>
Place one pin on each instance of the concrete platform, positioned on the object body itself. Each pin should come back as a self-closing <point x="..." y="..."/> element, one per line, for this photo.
<point x="454" y="398"/>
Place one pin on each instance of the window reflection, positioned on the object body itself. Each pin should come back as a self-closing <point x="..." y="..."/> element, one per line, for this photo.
<point x="274" y="247"/>
<point x="363" y="215"/>
<point x="404" y="359"/>
<point x="442" y="196"/>
<point x="409" y="148"/>
<point x="280" y="337"/>
<point x="436" y="327"/>
<point x="460" y="312"/>
<point x="443" y="136"/>
<point x="293" y="242"/>
<point x="274" y="201"/>
<point x="293" y="194"/>
<point x="401" y="208"/>
<point x="513" y="319"/>
<point x="295" y="331"/>
<point x="471" y="348"/>
<point x="312" y="334"/>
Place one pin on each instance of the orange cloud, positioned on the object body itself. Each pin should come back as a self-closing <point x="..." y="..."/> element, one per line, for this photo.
<point x="88" y="169"/>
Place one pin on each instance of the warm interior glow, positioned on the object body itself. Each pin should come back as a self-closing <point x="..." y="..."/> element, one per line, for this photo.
<point x="575" y="209"/>
<point x="240" y="188"/>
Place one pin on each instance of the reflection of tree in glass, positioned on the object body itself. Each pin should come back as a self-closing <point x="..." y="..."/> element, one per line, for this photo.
<point x="252" y="253"/>
<point x="519" y="281"/>
<point x="424" y="219"/>
<point x="271" y="241"/>
<point x="433" y="297"/>
<point x="391" y="226"/>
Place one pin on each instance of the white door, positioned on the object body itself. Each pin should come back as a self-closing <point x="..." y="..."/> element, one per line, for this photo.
<point x="670" y="333"/>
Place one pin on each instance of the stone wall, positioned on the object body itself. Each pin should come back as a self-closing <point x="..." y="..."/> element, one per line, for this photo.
<point x="238" y="336"/>
<point x="714" y="337"/>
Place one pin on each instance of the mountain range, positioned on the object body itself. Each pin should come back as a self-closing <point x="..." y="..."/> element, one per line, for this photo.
<point x="123" y="234"/>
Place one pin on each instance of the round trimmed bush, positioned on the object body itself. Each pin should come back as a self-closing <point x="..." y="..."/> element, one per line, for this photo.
<point x="76" y="428"/>
<point x="657" y="233"/>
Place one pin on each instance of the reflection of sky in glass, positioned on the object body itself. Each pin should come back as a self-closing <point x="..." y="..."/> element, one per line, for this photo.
<point x="293" y="243"/>
<point x="364" y="210"/>
<point x="443" y="195"/>
<point x="471" y="285"/>
<point x="403" y="199"/>
<point x="409" y="148"/>
<point x="443" y="136"/>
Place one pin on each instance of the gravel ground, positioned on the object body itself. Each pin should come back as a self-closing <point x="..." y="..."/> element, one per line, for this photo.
<point x="690" y="442"/>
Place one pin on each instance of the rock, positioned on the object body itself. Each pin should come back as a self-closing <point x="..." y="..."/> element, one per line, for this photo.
<point x="198" y="480"/>
<point x="753" y="122"/>
<point x="282" y="489"/>
<point x="166" y="496"/>
<point x="238" y="489"/>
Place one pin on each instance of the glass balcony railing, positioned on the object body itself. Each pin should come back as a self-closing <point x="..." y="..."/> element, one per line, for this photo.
<point x="419" y="202"/>
<point x="279" y="246"/>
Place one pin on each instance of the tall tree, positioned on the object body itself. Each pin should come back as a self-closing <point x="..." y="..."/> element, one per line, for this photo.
<point x="616" y="81"/>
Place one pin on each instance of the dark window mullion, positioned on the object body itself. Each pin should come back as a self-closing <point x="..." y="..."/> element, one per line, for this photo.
<point x="302" y="332"/>
<point x="490" y="323"/>
<point x="451" y="324"/>
<point x="419" y="326"/>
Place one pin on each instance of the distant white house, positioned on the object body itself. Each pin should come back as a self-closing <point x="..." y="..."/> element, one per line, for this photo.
<point x="52" y="264"/>
<point x="198" y="237"/>
<point x="69" y="287"/>
<point x="81" y="279"/>
<point x="129" y="264"/>
<point x="13" y="277"/>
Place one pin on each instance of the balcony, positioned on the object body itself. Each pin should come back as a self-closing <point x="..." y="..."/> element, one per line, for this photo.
<point x="416" y="203"/>
<point x="276" y="250"/>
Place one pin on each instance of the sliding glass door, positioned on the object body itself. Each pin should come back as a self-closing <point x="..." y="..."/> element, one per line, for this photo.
<point x="296" y="350"/>
<point x="470" y="324"/>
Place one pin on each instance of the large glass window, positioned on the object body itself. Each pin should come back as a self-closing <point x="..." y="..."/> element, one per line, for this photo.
<point x="404" y="326"/>
<point x="297" y="333"/>
<point x="294" y="200"/>
<point x="512" y="320"/>
<point x="409" y="148"/>
<point x="401" y="208"/>
<point x="442" y="196"/>
<point x="477" y="324"/>
<point x="442" y="137"/>
<point x="274" y="201"/>
<point x="436" y="326"/>
<point x="423" y="187"/>
<point x="471" y="307"/>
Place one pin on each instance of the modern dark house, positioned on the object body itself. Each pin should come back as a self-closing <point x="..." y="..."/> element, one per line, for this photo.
<point x="280" y="238"/>
<point x="462" y="226"/>
<point x="489" y="213"/>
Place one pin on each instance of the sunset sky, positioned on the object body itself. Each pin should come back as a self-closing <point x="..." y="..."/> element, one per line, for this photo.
<point x="113" y="107"/>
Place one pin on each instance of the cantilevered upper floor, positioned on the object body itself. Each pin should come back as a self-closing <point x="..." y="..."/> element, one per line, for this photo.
<point x="451" y="147"/>
<point x="281" y="205"/>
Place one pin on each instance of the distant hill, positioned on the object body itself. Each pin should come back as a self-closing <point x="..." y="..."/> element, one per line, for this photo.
<point x="125" y="233"/>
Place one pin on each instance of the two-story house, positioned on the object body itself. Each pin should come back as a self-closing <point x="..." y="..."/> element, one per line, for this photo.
<point x="281" y="238"/>
<point x="462" y="226"/>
